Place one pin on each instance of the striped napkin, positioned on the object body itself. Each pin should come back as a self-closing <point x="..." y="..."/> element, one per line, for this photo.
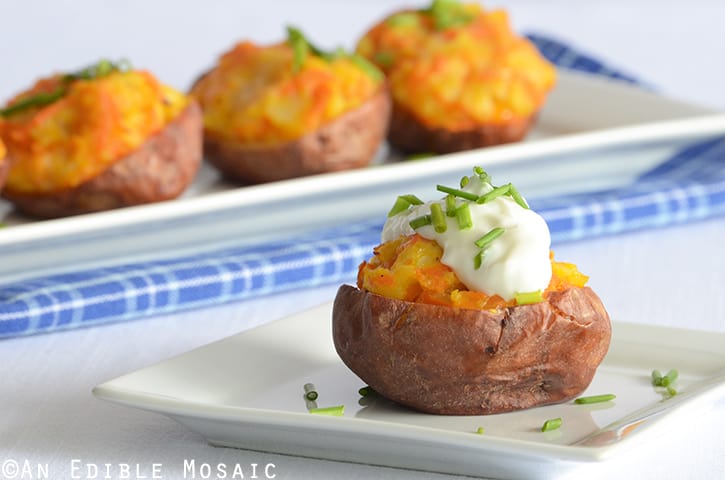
<point x="688" y="186"/>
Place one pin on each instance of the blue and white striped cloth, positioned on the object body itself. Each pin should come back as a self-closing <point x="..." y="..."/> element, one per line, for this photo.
<point x="689" y="186"/>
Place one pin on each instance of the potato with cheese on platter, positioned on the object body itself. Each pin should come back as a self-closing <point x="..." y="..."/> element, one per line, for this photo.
<point x="459" y="76"/>
<point x="104" y="137"/>
<point x="463" y="310"/>
<point x="273" y="112"/>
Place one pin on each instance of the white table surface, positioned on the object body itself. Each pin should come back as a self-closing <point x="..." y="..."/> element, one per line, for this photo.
<point x="671" y="276"/>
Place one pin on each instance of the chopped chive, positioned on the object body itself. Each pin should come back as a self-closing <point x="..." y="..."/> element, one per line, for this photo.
<point x="402" y="203"/>
<point x="421" y="221"/>
<point x="656" y="378"/>
<point x="368" y="68"/>
<point x="595" y="399"/>
<point x="518" y="198"/>
<point x="97" y="70"/>
<point x="551" y="424"/>
<point x="478" y="260"/>
<point x="671" y="391"/>
<point x="463" y="217"/>
<point x="464" y="181"/>
<point x="300" y="48"/>
<point x="482" y="174"/>
<point x="38" y="100"/>
<point x="492" y="235"/>
<point x="412" y="199"/>
<point x="480" y="430"/>
<point x="451" y="205"/>
<point x="495" y="193"/>
<point x="310" y="391"/>
<point x="527" y="298"/>
<point x="399" y="206"/>
<point x="458" y="193"/>
<point x="336" y="411"/>
<point x="438" y="218"/>
<point x="669" y="379"/>
<point x="365" y="391"/>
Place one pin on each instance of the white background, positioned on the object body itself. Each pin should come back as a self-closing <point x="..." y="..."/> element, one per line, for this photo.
<point x="671" y="277"/>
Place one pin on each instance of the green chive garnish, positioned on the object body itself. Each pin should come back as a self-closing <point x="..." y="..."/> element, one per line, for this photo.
<point x="492" y="235"/>
<point x="300" y="48"/>
<point x="458" y="193"/>
<point x="551" y="424"/>
<point x="656" y="378"/>
<point x="404" y="19"/>
<point x="482" y="174"/>
<point x="402" y="203"/>
<point x="336" y="411"/>
<point x="97" y="70"/>
<point x="495" y="193"/>
<point x="527" y="298"/>
<point x="451" y="205"/>
<point x="517" y="197"/>
<point x="310" y="391"/>
<point x="671" y="391"/>
<point x="464" y="181"/>
<point x="463" y="217"/>
<point x="365" y="391"/>
<point x="370" y="70"/>
<point x="438" y="218"/>
<point x="595" y="399"/>
<point x="421" y="221"/>
<point x="480" y="430"/>
<point x="478" y="260"/>
<point x="669" y="379"/>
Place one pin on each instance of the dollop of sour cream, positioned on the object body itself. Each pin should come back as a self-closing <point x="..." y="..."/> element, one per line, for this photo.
<point x="515" y="262"/>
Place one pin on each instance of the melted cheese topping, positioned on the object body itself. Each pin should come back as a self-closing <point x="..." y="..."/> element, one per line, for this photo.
<point x="253" y="96"/>
<point x="95" y="124"/>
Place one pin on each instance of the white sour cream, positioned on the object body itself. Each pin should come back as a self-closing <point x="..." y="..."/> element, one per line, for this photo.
<point x="516" y="262"/>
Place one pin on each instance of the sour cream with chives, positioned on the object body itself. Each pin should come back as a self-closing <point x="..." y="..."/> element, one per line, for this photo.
<point x="490" y="238"/>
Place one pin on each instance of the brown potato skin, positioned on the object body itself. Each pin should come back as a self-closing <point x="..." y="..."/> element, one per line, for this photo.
<point x="450" y="361"/>
<point x="409" y="135"/>
<point x="349" y="141"/>
<point x="160" y="169"/>
<point x="4" y="169"/>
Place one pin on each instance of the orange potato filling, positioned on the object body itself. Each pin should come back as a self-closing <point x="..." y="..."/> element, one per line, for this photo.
<point x="462" y="76"/>
<point x="410" y="269"/>
<point x="253" y="96"/>
<point x="96" y="123"/>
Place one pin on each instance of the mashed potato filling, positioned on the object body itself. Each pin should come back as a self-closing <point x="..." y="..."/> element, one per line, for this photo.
<point x="255" y="96"/>
<point x="94" y="124"/>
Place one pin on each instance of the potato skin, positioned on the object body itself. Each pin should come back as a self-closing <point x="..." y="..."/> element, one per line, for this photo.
<point x="4" y="169"/>
<point x="409" y="135"/>
<point x="160" y="169"/>
<point x="349" y="141"/>
<point x="443" y="360"/>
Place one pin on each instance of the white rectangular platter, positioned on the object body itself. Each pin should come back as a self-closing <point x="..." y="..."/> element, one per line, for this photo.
<point x="593" y="133"/>
<point x="246" y="391"/>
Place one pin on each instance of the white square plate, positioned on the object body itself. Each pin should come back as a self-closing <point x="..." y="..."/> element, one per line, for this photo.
<point x="246" y="391"/>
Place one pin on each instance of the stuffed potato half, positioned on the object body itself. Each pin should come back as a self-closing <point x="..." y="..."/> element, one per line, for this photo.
<point x="273" y="112"/>
<point x="101" y="138"/>
<point x="512" y="330"/>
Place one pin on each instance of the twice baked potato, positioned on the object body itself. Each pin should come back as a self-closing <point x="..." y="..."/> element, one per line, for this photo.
<point x="289" y="110"/>
<point x="459" y="76"/>
<point x="469" y="313"/>
<point x="105" y="137"/>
